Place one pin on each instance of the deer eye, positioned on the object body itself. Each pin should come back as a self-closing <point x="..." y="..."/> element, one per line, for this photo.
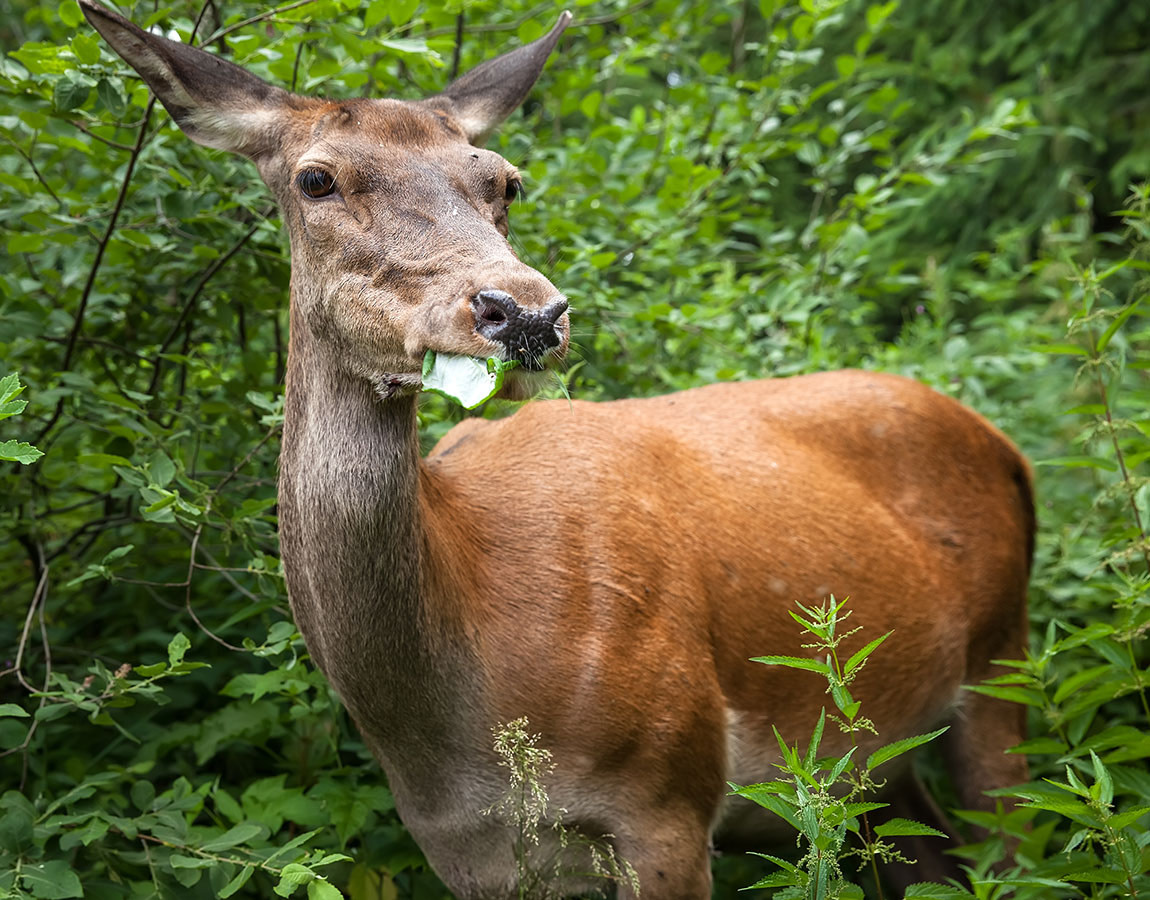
<point x="513" y="191"/>
<point x="316" y="183"/>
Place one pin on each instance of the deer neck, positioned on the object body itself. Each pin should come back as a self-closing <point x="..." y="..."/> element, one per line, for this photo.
<point x="357" y="557"/>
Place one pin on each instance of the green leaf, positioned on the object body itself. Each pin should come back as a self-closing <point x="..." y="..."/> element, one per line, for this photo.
<point x="51" y="880"/>
<point x="860" y="656"/>
<point x="240" y="834"/>
<point x="323" y="890"/>
<point x="898" y="748"/>
<point x="17" y="451"/>
<point x="1064" y="349"/>
<point x="794" y="662"/>
<point x="931" y="891"/>
<point x="292" y="876"/>
<point x="69" y="13"/>
<point x="161" y="468"/>
<point x="1118" y="322"/>
<point x="1078" y="462"/>
<point x="10" y="387"/>
<point x="401" y="11"/>
<point x="1101" y="875"/>
<point x="899" y="827"/>
<point x="466" y="380"/>
<point x="1027" y="696"/>
<point x="1128" y="817"/>
<point x="87" y="50"/>
<point x="111" y="98"/>
<point x="238" y="882"/>
<point x="12" y="709"/>
<point x="177" y="647"/>
<point x="68" y="94"/>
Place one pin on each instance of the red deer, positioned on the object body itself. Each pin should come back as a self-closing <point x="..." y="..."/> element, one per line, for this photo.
<point x="606" y="570"/>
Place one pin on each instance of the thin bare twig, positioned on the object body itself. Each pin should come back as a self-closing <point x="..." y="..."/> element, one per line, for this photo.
<point x="457" y="52"/>
<point x="32" y="163"/>
<point x="270" y="14"/>
<point x="200" y="530"/>
<point x="37" y="595"/>
<point x="209" y="273"/>
<point x="127" y="148"/>
<point x="78" y="322"/>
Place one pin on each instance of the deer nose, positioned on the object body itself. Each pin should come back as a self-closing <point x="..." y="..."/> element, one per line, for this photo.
<point x="527" y="334"/>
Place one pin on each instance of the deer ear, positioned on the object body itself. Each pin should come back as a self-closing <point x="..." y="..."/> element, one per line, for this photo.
<point x="215" y="102"/>
<point x="489" y="93"/>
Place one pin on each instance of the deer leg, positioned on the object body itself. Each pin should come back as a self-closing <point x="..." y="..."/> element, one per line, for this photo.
<point x="911" y="800"/>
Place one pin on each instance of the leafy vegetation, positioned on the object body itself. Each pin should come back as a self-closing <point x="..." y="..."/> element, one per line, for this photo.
<point x="953" y="191"/>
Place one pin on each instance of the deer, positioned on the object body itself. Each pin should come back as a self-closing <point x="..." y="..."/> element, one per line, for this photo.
<point x="606" y="570"/>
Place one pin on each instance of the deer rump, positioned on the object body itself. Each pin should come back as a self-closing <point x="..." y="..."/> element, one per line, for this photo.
<point x="606" y="570"/>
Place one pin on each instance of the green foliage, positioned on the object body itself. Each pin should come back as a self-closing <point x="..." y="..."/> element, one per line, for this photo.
<point x="828" y="800"/>
<point x="724" y="190"/>
<point x="14" y="451"/>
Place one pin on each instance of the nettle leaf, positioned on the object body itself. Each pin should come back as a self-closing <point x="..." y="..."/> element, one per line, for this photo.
<point x="898" y="827"/>
<point x="860" y="656"/>
<point x="898" y="748"/>
<point x="794" y="662"/>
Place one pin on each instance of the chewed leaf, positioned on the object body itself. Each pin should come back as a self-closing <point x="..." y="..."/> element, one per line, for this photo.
<point x="465" y="379"/>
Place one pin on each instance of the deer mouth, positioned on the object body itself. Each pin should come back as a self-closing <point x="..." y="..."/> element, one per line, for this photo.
<point x="471" y="381"/>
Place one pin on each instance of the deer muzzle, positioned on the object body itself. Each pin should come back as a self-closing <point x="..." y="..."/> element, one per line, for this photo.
<point x="527" y="335"/>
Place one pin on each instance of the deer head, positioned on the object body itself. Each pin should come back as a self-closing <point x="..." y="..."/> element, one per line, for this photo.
<point x="398" y="218"/>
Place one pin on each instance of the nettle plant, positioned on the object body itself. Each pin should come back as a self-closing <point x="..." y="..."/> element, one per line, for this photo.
<point x="827" y="799"/>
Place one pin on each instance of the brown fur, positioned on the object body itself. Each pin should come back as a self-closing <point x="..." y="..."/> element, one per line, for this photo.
<point x="606" y="570"/>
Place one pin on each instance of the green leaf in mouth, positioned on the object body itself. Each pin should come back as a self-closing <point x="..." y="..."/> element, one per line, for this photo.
<point x="467" y="380"/>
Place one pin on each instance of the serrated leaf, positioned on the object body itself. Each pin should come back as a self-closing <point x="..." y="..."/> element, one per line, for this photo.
<point x="794" y="662"/>
<point x="898" y="827"/>
<point x="18" y="451"/>
<point x="12" y="408"/>
<point x="857" y="658"/>
<point x="931" y="891"/>
<point x="291" y="877"/>
<point x="323" y="890"/>
<point x="898" y="748"/>
<point x="1128" y="817"/>
<point x="10" y="387"/>
<point x="1098" y="876"/>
